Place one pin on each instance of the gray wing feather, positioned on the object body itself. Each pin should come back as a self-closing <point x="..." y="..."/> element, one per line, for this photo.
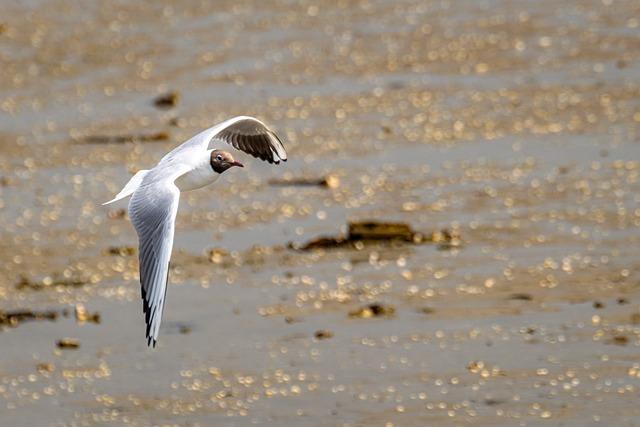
<point x="244" y="133"/>
<point x="152" y="210"/>
<point x="253" y="137"/>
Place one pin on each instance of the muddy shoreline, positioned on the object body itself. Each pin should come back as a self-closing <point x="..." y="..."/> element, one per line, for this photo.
<point x="511" y="127"/>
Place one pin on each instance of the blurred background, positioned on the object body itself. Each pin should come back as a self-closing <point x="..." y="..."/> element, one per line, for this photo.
<point x="495" y="143"/>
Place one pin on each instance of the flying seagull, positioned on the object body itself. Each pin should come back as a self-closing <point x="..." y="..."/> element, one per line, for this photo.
<point x="156" y="192"/>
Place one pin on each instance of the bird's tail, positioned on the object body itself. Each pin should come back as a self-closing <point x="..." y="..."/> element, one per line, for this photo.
<point x="131" y="186"/>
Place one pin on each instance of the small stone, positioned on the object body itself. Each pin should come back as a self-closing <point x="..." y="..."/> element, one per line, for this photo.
<point x="373" y="310"/>
<point x="167" y="100"/>
<point x="331" y="181"/>
<point x="217" y="255"/>
<point x="82" y="315"/>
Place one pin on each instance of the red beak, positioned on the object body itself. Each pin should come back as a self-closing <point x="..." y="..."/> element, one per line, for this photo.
<point x="235" y="163"/>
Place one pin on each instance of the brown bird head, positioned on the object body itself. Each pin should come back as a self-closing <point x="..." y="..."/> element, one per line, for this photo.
<point x="222" y="160"/>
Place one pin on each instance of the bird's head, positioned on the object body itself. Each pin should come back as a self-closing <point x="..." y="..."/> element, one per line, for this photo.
<point x="222" y="160"/>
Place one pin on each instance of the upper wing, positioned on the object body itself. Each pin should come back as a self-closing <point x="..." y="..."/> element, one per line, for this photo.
<point x="253" y="137"/>
<point x="244" y="133"/>
<point x="152" y="210"/>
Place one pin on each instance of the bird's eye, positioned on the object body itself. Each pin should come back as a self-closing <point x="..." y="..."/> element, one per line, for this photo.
<point x="219" y="158"/>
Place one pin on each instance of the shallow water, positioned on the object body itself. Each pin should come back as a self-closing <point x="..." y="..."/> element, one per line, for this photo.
<point x="514" y="123"/>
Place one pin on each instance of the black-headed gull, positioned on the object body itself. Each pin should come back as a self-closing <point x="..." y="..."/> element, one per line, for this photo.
<point x="156" y="192"/>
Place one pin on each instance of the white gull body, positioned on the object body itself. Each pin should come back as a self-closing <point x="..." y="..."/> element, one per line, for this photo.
<point x="156" y="193"/>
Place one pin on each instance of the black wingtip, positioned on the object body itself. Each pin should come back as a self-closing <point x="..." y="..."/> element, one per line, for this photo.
<point x="277" y="162"/>
<point x="151" y="342"/>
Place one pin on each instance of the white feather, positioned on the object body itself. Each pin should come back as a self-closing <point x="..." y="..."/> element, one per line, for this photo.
<point x="131" y="186"/>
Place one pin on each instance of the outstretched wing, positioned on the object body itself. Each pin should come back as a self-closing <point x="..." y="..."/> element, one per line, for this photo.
<point x="152" y="210"/>
<point x="253" y="137"/>
<point x="244" y="133"/>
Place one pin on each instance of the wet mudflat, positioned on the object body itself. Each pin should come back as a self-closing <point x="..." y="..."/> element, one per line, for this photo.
<point x="505" y="133"/>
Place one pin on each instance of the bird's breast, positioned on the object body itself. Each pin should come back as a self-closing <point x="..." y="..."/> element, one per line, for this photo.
<point x="197" y="178"/>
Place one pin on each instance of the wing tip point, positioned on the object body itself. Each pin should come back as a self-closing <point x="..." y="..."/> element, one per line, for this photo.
<point x="151" y="342"/>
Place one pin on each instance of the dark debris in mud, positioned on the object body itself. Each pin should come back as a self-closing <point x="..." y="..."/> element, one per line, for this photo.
<point x="618" y="340"/>
<point x="167" y="100"/>
<point x="68" y="343"/>
<point x="521" y="296"/>
<point x="121" y="250"/>
<point x="323" y="334"/>
<point x="426" y="310"/>
<point x="361" y="233"/>
<point x="14" y="318"/>
<point x="329" y="181"/>
<point x="494" y="401"/>
<point x="26" y="283"/>
<point x="121" y="139"/>
<point x="372" y="230"/>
